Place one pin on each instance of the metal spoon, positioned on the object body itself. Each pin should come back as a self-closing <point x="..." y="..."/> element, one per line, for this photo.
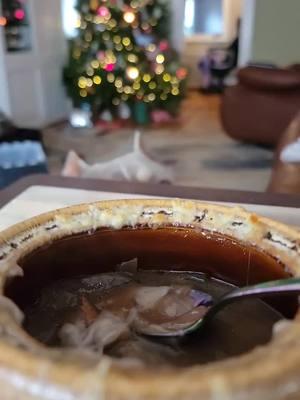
<point x="271" y="288"/>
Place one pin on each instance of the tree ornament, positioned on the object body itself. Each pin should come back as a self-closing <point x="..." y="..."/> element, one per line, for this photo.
<point x="110" y="67"/>
<point x="101" y="55"/>
<point x="181" y="73"/>
<point x="164" y="45"/>
<point x="142" y="39"/>
<point x="104" y="12"/>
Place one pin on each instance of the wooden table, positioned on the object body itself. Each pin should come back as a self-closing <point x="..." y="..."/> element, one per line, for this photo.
<point x="41" y="193"/>
<point x="150" y="189"/>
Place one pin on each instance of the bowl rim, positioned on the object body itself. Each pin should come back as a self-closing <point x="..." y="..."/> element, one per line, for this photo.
<point x="64" y="372"/>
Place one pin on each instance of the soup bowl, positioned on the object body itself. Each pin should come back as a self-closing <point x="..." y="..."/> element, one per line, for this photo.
<point x="226" y="243"/>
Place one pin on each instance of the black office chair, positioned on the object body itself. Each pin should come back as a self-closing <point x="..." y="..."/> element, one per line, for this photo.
<point x="216" y="65"/>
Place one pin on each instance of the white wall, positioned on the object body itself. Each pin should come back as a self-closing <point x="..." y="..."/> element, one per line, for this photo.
<point x="247" y="32"/>
<point x="271" y="32"/>
<point x="277" y="32"/>
<point x="4" y="96"/>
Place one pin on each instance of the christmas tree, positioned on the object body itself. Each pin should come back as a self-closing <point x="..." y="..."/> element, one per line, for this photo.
<point x="121" y="57"/>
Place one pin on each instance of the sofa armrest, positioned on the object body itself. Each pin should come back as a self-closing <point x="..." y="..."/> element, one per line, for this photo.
<point x="270" y="78"/>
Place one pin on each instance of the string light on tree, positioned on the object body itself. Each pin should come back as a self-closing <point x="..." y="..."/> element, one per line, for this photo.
<point x="95" y="64"/>
<point x="151" y="47"/>
<point x="126" y="41"/>
<point x="117" y="39"/>
<point x="136" y="86"/>
<point x="129" y="17"/>
<point x="132" y="73"/>
<point x="160" y="59"/>
<point x="147" y="78"/>
<point x="82" y="82"/>
<point x="97" y="80"/>
<point x="159" y="69"/>
<point x="90" y="71"/>
<point x="152" y="85"/>
<point x="110" y="77"/>
<point x="132" y="58"/>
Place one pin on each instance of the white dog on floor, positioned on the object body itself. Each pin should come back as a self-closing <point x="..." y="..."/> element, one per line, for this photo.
<point x="133" y="166"/>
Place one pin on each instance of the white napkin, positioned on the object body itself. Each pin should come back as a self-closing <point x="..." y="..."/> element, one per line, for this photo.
<point x="291" y="153"/>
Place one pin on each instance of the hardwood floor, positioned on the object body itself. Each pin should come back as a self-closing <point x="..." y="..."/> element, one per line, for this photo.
<point x="196" y="146"/>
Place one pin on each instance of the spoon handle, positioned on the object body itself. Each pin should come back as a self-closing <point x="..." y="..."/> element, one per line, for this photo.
<point x="282" y="287"/>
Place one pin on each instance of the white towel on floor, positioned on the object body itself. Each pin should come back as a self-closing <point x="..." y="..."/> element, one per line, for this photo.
<point x="291" y="153"/>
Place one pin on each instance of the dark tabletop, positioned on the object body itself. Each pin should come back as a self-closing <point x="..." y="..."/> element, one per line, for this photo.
<point x="164" y="190"/>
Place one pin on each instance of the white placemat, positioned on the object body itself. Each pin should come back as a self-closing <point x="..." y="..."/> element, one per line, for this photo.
<point x="39" y="199"/>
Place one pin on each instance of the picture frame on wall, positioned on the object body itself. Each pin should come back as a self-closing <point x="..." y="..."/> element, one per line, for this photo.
<point x="16" y="22"/>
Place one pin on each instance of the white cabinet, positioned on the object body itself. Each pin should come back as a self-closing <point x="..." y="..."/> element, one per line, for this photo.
<point x="34" y="78"/>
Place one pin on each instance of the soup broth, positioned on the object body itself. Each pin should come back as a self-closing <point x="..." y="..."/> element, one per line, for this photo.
<point x="227" y="335"/>
<point x="60" y="276"/>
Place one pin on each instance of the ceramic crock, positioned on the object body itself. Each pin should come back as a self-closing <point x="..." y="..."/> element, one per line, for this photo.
<point x="228" y="243"/>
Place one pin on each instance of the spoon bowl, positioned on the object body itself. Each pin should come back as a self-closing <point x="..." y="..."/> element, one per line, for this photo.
<point x="206" y="308"/>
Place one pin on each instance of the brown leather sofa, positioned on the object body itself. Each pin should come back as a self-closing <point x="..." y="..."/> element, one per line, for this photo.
<point x="260" y="107"/>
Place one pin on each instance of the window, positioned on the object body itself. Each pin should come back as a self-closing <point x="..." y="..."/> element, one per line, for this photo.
<point x="70" y="18"/>
<point x="203" y="17"/>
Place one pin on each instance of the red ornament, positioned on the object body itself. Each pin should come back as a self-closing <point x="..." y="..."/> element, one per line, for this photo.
<point x="181" y="73"/>
<point x="163" y="45"/>
<point x="110" y="67"/>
